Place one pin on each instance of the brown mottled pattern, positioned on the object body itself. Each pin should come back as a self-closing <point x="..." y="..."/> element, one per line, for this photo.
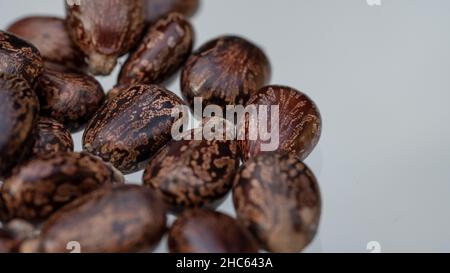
<point x="19" y="109"/>
<point x="131" y="127"/>
<point x="8" y="242"/>
<point x="156" y="9"/>
<point x="193" y="173"/>
<point x="205" y="231"/>
<point x="300" y="124"/>
<point x="51" y="137"/>
<point x="45" y="184"/>
<point x="19" y="58"/>
<point x="105" y="30"/>
<point x="50" y="36"/>
<point x="119" y="219"/>
<point x="225" y="71"/>
<point x="278" y="199"/>
<point x="70" y="98"/>
<point x="165" y="47"/>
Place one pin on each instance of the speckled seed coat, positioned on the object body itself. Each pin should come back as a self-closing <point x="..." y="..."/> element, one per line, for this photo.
<point x="70" y="98"/>
<point x="50" y="36"/>
<point x="105" y="30"/>
<point x="300" y="122"/>
<point x="20" y="58"/>
<point x="51" y="137"/>
<point x="205" y="231"/>
<point x="156" y="9"/>
<point x="225" y="71"/>
<point x="131" y="127"/>
<point x="119" y="219"/>
<point x="45" y="184"/>
<point x="277" y="198"/>
<point x="163" y="50"/>
<point x="193" y="173"/>
<point x="19" y="109"/>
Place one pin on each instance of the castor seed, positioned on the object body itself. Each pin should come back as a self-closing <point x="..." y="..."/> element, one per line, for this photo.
<point x="277" y="198"/>
<point x="43" y="185"/>
<point x="132" y="126"/>
<point x="70" y="98"/>
<point x="105" y="30"/>
<point x="50" y="36"/>
<point x="112" y="219"/>
<point x="299" y="126"/>
<point x="20" y="58"/>
<point x="19" y="108"/>
<point x="225" y="71"/>
<point x="165" y="47"/>
<point x="205" y="231"/>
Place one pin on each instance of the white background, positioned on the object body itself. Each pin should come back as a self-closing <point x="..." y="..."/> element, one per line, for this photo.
<point x="381" y="78"/>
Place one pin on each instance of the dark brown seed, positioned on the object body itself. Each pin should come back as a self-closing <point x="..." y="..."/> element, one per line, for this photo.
<point x="19" y="110"/>
<point x="105" y="30"/>
<point x="193" y="173"/>
<point x="277" y="198"/>
<point x="204" y="231"/>
<point x="131" y="127"/>
<point x="118" y="219"/>
<point x="164" y="49"/>
<point x="225" y="71"/>
<point x="300" y="123"/>
<point x="70" y="98"/>
<point x="156" y="9"/>
<point x="43" y="185"/>
<point x="20" y="58"/>
<point x="50" y="36"/>
<point x="51" y="137"/>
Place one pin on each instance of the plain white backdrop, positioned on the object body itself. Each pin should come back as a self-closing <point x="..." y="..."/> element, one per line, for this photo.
<point x="381" y="78"/>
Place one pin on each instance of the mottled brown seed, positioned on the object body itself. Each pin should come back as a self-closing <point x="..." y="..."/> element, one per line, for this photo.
<point x="43" y="185"/>
<point x="20" y="58"/>
<point x="225" y="71"/>
<point x="300" y="123"/>
<point x="193" y="173"/>
<point x="277" y="198"/>
<point x="70" y="98"/>
<point x="119" y="219"/>
<point x="19" y="110"/>
<point x="51" y="137"/>
<point x="156" y="9"/>
<point x="165" y="47"/>
<point x="205" y="231"/>
<point x="50" y="36"/>
<point x="131" y="127"/>
<point x="105" y="30"/>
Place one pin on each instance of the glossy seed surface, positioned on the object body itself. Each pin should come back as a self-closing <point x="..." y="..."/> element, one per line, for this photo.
<point x="165" y="47"/>
<point x="50" y="36"/>
<point x="224" y="71"/>
<point x="70" y="98"/>
<point x="277" y="198"/>
<point x="205" y="231"/>
<point x="193" y="173"/>
<point x="132" y="126"/>
<point x="45" y="184"/>
<point x="19" y="110"/>
<point x="51" y="137"/>
<point x="105" y="30"/>
<point x="299" y="125"/>
<point x="113" y="219"/>
<point x="20" y="58"/>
